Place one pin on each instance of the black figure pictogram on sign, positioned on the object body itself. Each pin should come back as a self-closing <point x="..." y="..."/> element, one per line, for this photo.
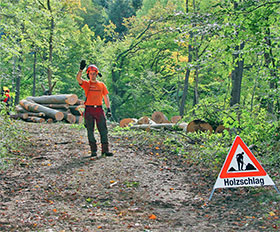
<point x="240" y="162"/>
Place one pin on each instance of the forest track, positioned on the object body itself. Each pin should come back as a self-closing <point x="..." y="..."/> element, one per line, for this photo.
<point x="52" y="186"/>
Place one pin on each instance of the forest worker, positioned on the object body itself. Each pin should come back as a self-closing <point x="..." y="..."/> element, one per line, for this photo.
<point x="95" y="91"/>
<point x="6" y="98"/>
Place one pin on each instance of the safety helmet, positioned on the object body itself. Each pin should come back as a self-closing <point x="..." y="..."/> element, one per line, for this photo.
<point x="92" y="67"/>
<point x="6" y="89"/>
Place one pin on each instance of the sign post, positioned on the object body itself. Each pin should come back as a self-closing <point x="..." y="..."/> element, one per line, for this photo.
<point x="241" y="169"/>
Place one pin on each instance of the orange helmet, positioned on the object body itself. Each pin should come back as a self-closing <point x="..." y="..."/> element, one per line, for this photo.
<point x="92" y="67"/>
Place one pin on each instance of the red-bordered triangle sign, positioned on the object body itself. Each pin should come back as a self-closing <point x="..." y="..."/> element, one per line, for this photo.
<point x="225" y="174"/>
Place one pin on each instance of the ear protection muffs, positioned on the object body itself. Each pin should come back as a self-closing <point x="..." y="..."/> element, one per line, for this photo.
<point x="92" y="67"/>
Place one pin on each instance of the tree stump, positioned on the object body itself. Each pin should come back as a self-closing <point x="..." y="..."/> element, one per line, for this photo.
<point x="175" y="119"/>
<point x="199" y="125"/>
<point x="220" y="129"/>
<point x="159" y="117"/>
<point x="145" y="120"/>
<point x="126" y="121"/>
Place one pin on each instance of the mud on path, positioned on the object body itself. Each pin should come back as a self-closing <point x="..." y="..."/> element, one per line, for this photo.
<point x="54" y="186"/>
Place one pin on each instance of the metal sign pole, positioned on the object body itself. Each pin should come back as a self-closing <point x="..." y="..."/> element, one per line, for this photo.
<point x="276" y="189"/>
<point x="211" y="194"/>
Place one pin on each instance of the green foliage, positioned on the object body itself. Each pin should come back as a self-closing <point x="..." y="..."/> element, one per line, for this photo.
<point x="11" y="137"/>
<point x="252" y="126"/>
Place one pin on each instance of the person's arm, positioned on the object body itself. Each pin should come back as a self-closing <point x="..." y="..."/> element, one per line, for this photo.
<point x="107" y="101"/>
<point x="79" y="77"/>
<point x="79" y="74"/>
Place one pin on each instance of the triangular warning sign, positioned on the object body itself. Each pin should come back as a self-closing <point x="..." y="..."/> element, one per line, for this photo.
<point x="241" y="168"/>
<point x="237" y="153"/>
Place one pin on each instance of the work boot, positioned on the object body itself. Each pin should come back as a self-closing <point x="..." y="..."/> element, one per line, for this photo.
<point x="105" y="150"/>
<point x="93" y="148"/>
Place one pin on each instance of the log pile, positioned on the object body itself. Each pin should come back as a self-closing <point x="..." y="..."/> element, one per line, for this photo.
<point x="159" y="120"/>
<point x="51" y="108"/>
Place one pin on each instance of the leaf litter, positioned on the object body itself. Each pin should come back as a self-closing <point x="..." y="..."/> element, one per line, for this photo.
<point x="51" y="186"/>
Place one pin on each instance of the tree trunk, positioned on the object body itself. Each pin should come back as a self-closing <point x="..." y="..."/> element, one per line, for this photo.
<point x="236" y="76"/>
<point x="50" y="47"/>
<point x="18" y="79"/>
<point x="195" y="94"/>
<point x="271" y="66"/>
<point x="237" y="73"/>
<point x="34" y="74"/>
<point x="188" y="71"/>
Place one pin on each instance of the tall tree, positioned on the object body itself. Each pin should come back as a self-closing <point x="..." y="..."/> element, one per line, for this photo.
<point x="188" y="71"/>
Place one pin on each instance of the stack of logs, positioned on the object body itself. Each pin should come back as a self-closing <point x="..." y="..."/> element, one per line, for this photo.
<point x="159" y="120"/>
<point x="51" y="108"/>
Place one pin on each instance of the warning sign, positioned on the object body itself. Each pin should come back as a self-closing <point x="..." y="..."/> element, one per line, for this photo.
<point x="241" y="168"/>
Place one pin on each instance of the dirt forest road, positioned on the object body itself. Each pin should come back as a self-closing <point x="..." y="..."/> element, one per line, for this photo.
<point x="53" y="186"/>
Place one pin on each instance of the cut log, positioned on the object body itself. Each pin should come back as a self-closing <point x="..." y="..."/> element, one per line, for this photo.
<point x="77" y="109"/>
<point x="127" y="121"/>
<point x="183" y="126"/>
<point x="146" y="126"/>
<point x="49" y="120"/>
<point x="57" y="106"/>
<point x="19" y="115"/>
<point x="40" y="114"/>
<point x="145" y="120"/>
<point x="29" y="106"/>
<point x="20" y="109"/>
<point x="70" y="99"/>
<point x="220" y="129"/>
<point x="34" y="107"/>
<point x="80" y="102"/>
<point x="159" y="117"/>
<point x="71" y="118"/>
<point x="199" y="125"/>
<point x="175" y="119"/>
<point x="37" y="119"/>
<point x="68" y="116"/>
